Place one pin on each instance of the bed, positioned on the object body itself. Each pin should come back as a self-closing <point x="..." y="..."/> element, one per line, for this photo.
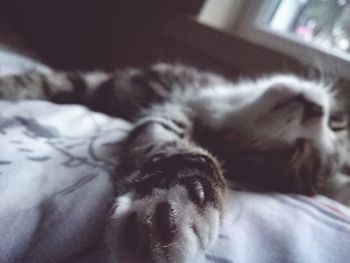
<point x="55" y="188"/>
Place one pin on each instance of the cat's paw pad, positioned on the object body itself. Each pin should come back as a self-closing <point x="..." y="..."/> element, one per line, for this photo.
<point x="175" y="219"/>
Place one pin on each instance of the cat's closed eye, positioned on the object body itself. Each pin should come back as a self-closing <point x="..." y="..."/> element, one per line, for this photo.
<point x="338" y="121"/>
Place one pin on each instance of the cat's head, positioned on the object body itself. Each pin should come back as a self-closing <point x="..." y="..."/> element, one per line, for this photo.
<point x="280" y="138"/>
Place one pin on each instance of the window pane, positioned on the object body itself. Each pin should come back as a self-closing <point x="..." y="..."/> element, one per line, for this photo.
<point x="324" y="22"/>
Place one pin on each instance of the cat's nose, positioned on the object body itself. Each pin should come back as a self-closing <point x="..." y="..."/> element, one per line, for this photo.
<point x="312" y="110"/>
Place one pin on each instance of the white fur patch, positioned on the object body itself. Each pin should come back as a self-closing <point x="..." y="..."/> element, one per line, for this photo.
<point x="188" y="243"/>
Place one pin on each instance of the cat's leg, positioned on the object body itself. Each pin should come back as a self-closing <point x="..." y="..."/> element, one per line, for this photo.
<point x="171" y="195"/>
<point x="121" y="93"/>
<point x="55" y="85"/>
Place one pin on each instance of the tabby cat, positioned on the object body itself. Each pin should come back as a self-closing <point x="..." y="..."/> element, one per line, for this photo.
<point x="195" y="134"/>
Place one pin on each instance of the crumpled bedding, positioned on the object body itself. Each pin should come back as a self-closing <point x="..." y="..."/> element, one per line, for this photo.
<point x="55" y="179"/>
<point x="56" y="182"/>
<point x="56" y="169"/>
<point x="14" y="63"/>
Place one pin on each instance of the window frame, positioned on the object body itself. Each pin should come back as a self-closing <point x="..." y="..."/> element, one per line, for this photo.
<point x="252" y="26"/>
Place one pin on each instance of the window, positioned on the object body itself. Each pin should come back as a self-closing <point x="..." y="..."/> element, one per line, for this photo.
<point x="317" y="32"/>
<point x="323" y="22"/>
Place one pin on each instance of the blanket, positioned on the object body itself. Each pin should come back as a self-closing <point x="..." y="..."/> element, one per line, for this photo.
<point x="56" y="169"/>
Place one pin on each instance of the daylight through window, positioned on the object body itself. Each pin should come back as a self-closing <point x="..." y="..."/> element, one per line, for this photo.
<point x="323" y="22"/>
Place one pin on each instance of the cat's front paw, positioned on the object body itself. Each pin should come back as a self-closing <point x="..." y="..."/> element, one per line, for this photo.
<point x="173" y="214"/>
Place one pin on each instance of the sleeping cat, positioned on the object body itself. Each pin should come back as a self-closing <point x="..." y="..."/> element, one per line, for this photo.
<point x="196" y="134"/>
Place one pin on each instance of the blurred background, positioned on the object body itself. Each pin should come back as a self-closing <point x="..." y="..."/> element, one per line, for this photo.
<point x="95" y="33"/>
<point x="234" y="37"/>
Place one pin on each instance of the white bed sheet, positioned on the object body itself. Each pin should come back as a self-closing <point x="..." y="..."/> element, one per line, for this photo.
<point x="56" y="165"/>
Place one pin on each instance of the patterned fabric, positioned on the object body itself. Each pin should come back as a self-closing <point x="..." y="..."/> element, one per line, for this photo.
<point x="56" y="164"/>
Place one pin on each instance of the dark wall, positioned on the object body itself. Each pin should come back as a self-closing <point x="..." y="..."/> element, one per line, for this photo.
<point x="92" y="33"/>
